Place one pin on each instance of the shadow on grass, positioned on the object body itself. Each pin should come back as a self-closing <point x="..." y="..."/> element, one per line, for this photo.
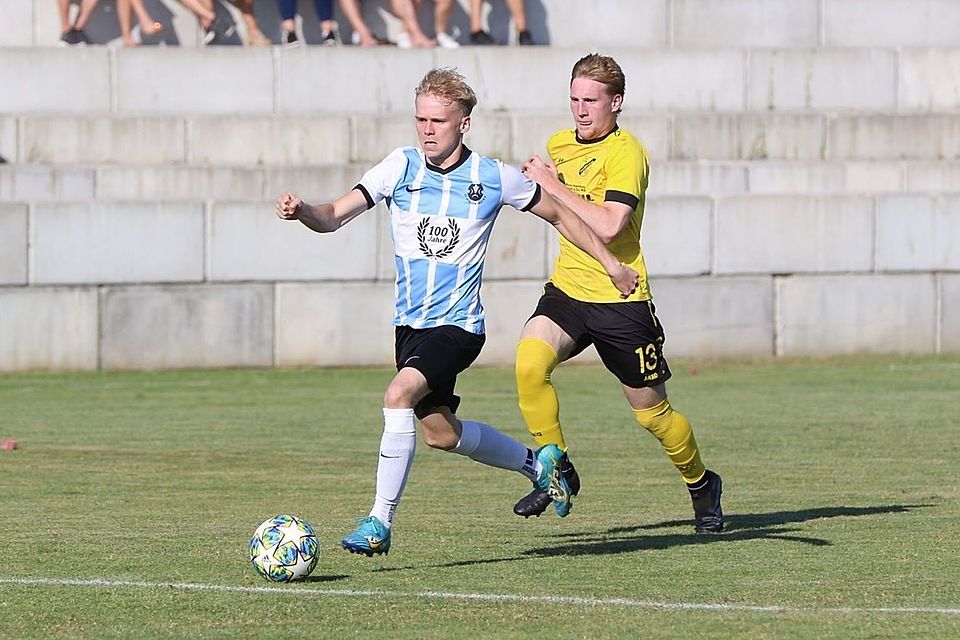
<point x="323" y="578"/>
<point x="733" y="522"/>
<point x="739" y="527"/>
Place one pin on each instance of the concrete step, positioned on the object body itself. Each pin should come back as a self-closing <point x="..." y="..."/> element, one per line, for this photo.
<point x="269" y="141"/>
<point x="348" y="324"/>
<point x="71" y="243"/>
<point x="314" y="80"/>
<point x="111" y="182"/>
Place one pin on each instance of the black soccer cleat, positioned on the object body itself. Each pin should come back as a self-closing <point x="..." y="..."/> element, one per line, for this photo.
<point x="536" y="502"/>
<point x="707" y="514"/>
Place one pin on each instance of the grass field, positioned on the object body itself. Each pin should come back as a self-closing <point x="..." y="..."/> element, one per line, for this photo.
<point x="127" y="508"/>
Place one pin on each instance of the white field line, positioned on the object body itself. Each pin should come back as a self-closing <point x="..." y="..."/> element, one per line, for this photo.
<point x="482" y="597"/>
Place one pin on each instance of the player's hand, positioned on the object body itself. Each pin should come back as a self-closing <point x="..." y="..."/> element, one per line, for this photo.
<point x="626" y="280"/>
<point x="288" y="206"/>
<point x="538" y="170"/>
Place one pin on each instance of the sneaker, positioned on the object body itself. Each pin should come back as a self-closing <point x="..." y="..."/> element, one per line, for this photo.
<point x="329" y="39"/>
<point x="525" y="39"/>
<point x="708" y="516"/>
<point x="209" y="35"/>
<point x="446" y="41"/>
<point x="369" y="538"/>
<point x="536" y="502"/>
<point x="74" y="37"/>
<point x="551" y="480"/>
<point x="289" y="39"/>
<point x="481" y="38"/>
<point x="403" y="40"/>
<point x="219" y="31"/>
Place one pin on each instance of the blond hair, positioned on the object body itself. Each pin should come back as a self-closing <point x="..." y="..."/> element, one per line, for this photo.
<point x="602" y="69"/>
<point x="448" y="84"/>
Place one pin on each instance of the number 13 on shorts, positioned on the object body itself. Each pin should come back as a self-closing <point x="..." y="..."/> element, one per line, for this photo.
<point x="649" y="355"/>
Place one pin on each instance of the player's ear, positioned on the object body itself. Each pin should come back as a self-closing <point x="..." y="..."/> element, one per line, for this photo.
<point x="465" y="124"/>
<point x="617" y="102"/>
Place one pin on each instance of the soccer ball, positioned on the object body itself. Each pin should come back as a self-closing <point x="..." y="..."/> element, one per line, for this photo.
<point x="284" y="548"/>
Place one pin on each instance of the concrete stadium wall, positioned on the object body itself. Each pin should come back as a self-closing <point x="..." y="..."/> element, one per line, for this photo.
<point x="183" y="284"/>
<point x="804" y="195"/>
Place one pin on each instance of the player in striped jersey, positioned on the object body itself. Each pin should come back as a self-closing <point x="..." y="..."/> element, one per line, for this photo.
<point x="600" y="172"/>
<point x="443" y="199"/>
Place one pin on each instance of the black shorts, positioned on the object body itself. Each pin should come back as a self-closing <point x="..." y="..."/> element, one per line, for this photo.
<point x="628" y="336"/>
<point x="439" y="353"/>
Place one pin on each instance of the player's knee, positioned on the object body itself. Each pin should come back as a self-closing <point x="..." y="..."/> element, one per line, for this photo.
<point x="530" y="376"/>
<point x="655" y="419"/>
<point x="398" y="396"/>
<point x="535" y="362"/>
<point x="393" y="398"/>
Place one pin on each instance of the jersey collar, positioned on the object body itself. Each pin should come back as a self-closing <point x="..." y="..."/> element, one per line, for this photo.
<point x="464" y="155"/>
<point x="600" y="139"/>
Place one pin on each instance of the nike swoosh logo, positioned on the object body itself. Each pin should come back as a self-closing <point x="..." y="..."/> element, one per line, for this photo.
<point x="409" y="190"/>
<point x="389" y="457"/>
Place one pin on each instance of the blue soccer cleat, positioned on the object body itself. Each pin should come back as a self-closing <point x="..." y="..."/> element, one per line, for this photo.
<point x="369" y="538"/>
<point x="551" y="479"/>
<point x="536" y="502"/>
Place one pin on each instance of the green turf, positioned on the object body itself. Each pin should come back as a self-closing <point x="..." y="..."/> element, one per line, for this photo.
<point x="840" y="492"/>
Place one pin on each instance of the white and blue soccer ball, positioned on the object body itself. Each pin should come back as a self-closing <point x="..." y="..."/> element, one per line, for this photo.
<point x="284" y="548"/>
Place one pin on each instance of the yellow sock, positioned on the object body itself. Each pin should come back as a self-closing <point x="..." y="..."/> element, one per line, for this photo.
<point x="673" y="431"/>
<point x="539" y="405"/>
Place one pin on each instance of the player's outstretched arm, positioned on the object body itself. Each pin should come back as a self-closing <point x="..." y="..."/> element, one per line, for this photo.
<point x="324" y="217"/>
<point x="607" y="220"/>
<point x="576" y="231"/>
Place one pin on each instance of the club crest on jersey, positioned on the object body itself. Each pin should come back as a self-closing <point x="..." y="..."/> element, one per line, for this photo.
<point x="475" y="192"/>
<point x="438" y="240"/>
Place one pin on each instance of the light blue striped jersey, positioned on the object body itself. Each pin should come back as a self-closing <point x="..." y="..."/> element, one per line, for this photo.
<point x="440" y="221"/>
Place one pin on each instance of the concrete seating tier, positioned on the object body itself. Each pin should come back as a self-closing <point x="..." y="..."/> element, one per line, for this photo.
<point x="718" y="179"/>
<point x="263" y="324"/>
<point x="66" y="243"/>
<point x="312" y="80"/>
<point x="222" y="283"/>
<point x="336" y="138"/>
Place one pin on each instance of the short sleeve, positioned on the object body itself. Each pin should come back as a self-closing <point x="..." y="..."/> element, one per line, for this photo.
<point x="379" y="181"/>
<point x="626" y="170"/>
<point x="519" y="191"/>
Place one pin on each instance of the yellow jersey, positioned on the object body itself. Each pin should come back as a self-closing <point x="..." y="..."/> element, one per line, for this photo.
<point x="613" y="168"/>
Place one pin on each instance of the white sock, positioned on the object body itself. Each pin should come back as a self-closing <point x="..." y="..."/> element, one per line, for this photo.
<point x="397" y="446"/>
<point x="483" y="443"/>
